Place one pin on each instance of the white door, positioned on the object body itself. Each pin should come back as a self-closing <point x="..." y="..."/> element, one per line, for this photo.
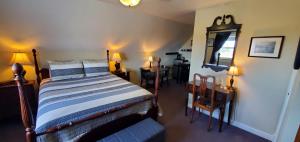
<point x="291" y="119"/>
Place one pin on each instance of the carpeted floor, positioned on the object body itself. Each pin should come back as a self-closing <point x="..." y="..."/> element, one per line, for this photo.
<point x="179" y="128"/>
<point x="177" y="125"/>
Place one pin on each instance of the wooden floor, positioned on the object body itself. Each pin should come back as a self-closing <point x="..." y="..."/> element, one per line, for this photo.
<point x="177" y="125"/>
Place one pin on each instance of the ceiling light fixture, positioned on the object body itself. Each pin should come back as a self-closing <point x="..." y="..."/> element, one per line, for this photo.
<point x="130" y="3"/>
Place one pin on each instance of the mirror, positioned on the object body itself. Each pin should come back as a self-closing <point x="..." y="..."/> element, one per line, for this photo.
<point x="221" y="42"/>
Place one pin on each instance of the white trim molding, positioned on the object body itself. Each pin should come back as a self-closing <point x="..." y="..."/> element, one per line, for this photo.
<point x="253" y="130"/>
<point x="243" y="126"/>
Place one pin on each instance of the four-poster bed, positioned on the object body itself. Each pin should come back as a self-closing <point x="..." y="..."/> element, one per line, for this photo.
<point x="119" y="114"/>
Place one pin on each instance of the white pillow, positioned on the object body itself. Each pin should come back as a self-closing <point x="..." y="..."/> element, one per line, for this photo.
<point x="60" y="70"/>
<point x="95" y="67"/>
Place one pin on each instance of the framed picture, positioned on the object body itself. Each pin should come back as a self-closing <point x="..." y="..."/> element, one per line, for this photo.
<point x="266" y="47"/>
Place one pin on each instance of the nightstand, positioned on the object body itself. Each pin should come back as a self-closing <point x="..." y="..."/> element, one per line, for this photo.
<point x="9" y="98"/>
<point x="124" y="75"/>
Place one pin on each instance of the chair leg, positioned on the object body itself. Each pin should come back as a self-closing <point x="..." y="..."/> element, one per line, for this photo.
<point x="147" y="83"/>
<point x="193" y="111"/>
<point x="209" y="121"/>
<point x="167" y="81"/>
<point x="141" y="84"/>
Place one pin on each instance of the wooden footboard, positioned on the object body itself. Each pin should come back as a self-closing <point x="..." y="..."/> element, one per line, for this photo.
<point x="29" y="122"/>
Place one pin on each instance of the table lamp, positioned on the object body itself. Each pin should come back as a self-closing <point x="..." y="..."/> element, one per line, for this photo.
<point x="117" y="58"/>
<point x="233" y="71"/>
<point x="150" y="60"/>
<point x="21" y="58"/>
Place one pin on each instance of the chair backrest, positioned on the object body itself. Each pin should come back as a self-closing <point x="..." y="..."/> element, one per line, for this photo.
<point x="164" y="71"/>
<point x="204" y="84"/>
<point x="143" y="73"/>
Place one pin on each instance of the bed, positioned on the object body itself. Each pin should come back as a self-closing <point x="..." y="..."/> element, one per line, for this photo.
<point x="70" y="108"/>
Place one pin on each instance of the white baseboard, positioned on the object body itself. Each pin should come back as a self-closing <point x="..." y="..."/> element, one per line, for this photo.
<point x="253" y="130"/>
<point x="245" y="127"/>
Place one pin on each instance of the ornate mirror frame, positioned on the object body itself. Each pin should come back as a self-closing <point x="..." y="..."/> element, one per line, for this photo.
<point x="227" y="23"/>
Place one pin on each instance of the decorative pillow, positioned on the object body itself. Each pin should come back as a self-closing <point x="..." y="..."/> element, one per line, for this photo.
<point x="60" y="70"/>
<point x="95" y="67"/>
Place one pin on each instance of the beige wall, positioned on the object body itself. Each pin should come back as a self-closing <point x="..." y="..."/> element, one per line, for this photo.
<point x="263" y="83"/>
<point x="81" y="29"/>
<point x="186" y="45"/>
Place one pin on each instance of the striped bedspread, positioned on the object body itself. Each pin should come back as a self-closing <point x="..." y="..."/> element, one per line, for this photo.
<point x="64" y="101"/>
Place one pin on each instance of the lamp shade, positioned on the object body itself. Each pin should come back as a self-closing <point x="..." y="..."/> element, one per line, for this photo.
<point x="130" y="3"/>
<point x="150" y="58"/>
<point x="233" y="71"/>
<point x="116" y="57"/>
<point x="20" y="57"/>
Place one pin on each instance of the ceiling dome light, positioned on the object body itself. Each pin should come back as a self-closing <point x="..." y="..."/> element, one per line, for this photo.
<point x="130" y="3"/>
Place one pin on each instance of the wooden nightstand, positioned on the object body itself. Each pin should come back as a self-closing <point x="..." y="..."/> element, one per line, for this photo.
<point x="124" y="75"/>
<point x="9" y="98"/>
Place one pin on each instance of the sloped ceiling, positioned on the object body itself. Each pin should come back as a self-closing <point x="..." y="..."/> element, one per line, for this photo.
<point x="177" y="10"/>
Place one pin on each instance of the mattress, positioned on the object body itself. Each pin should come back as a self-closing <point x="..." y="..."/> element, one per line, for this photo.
<point x="66" y="101"/>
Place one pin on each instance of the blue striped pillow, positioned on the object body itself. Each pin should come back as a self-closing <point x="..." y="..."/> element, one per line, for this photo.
<point x="95" y="67"/>
<point x="60" y="70"/>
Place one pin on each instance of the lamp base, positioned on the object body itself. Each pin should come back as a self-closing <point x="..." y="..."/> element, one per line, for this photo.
<point x="117" y="65"/>
<point x="23" y="78"/>
<point x="231" y="82"/>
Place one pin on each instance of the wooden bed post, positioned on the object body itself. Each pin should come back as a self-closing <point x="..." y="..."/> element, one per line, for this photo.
<point x="36" y="67"/>
<point x="107" y="57"/>
<point x="157" y="81"/>
<point x="26" y="112"/>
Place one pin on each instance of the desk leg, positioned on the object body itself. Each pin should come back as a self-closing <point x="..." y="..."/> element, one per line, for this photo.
<point x="221" y="116"/>
<point x="230" y="110"/>
<point x="186" y="103"/>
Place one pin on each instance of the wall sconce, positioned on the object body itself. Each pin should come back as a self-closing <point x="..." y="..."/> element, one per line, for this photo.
<point x="21" y="58"/>
<point x="117" y="58"/>
<point x="233" y="71"/>
<point x="150" y="59"/>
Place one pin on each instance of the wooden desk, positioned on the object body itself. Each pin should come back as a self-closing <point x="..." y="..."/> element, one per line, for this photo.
<point x="150" y="73"/>
<point x="153" y="69"/>
<point x="230" y="97"/>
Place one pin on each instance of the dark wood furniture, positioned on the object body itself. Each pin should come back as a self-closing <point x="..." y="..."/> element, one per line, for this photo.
<point x="297" y="138"/>
<point x="181" y="72"/>
<point x="149" y="74"/>
<point x="124" y="75"/>
<point x="9" y="98"/>
<point x="206" y="99"/>
<point x="229" y="93"/>
<point x="28" y="117"/>
<point x="164" y="75"/>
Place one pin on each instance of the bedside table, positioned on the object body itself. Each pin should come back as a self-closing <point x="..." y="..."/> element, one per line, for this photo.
<point x="124" y="75"/>
<point x="9" y="98"/>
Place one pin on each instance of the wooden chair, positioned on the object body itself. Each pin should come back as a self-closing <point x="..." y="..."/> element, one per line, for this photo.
<point x="206" y="99"/>
<point x="147" y="76"/>
<point x="164" y="75"/>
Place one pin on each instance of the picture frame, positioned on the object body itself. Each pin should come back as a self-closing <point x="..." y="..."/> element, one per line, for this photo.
<point x="266" y="46"/>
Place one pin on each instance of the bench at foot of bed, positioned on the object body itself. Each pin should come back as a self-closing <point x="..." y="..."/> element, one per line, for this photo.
<point x="147" y="130"/>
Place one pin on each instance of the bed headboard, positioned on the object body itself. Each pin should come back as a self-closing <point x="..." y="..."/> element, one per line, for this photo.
<point x="44" y="72"/>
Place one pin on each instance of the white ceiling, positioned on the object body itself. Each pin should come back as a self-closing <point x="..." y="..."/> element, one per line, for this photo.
<point x="182" y="11"/>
